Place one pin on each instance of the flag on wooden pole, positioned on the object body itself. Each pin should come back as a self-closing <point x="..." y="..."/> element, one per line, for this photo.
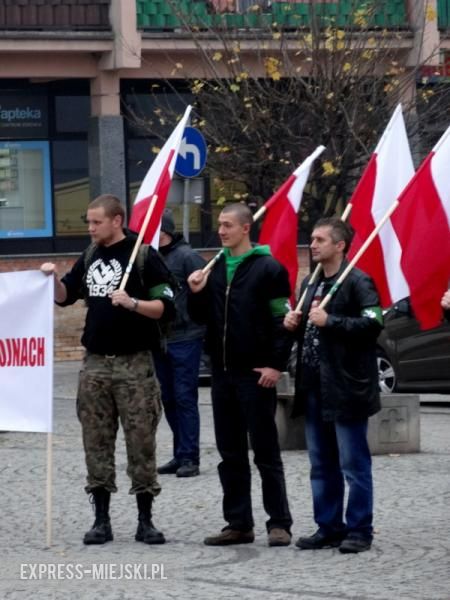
<point x="157" y="183"/>
<point x="422" y="224"/>
<point x="388" y="171"/>
<point x="279" y="228"/>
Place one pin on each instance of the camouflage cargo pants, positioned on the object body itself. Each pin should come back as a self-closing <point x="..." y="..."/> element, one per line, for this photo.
<point x="119" y="388"/>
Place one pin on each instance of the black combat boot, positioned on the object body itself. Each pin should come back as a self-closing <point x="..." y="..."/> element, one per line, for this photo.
<point x="146" y="532"/>
<point x="101" y="531"/>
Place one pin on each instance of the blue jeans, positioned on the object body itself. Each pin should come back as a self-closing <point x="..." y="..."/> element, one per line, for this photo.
<point x="339" y="450"/>
<point x="177" y="371"/>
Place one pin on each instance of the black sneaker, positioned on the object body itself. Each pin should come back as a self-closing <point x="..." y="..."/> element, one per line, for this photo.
<point x="169" y="468"/>
<point x="320" y="540"/>
<point x="354" y="544"/>
<point x="188" y="469"/>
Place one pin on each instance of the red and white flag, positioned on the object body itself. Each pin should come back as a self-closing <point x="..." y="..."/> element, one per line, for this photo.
<point x="387" y="173"/>
<point x="279" y="228"/>
<point x="422" y="224"/>
<point x="157" y="181"/>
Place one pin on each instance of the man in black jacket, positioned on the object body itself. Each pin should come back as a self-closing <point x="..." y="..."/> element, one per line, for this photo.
<point x="337" y="389"/>
<point x="117" y="379"/>
<point x="177" y="365"/>
<point x="243" y="301"/>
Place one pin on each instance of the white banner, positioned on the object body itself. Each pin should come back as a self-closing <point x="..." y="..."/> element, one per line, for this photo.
<point x="26" y="351"/>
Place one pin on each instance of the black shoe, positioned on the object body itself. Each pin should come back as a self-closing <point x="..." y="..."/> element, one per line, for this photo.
<point x="169" y="468"/>
<point x="188" y="468"/>
<point x="101" y="531"/>
<point x="354" y="544"/>
<point x="146" y="532"/>
<point x="319" y="540"/>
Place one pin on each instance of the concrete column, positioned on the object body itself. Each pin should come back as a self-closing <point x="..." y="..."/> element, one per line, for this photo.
<point x="106" y="138"/>
<point x="126" y="53"/>
<point x="107" y="157"/>
<point x="423" y="21"/>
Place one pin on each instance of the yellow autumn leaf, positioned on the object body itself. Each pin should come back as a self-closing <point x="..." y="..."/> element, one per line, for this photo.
<point x="346" y="67"/>
<point x="234" y="87"/>
<point x="329" y="169"/>
<point x="430" y="13"/>
<point x="217" y="56"/>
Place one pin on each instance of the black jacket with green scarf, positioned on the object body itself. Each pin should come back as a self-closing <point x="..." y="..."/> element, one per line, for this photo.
<point x="242" y="332"/>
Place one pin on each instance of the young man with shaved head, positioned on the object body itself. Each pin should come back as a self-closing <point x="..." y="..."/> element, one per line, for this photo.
<point x="242" y="301"/>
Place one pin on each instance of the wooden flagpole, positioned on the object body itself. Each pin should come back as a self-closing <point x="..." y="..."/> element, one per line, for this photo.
<point x="318" y="268"/>
<point x="49" y="488"/>
<point x="150" y="209"/>
<point x="207" y="268"/>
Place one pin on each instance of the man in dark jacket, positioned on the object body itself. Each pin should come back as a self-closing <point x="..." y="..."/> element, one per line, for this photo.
<point x="243" y="300"/>
<point x="117" y="379"/>
<point x="177" y="364"/>
<point x="337" y="389"/>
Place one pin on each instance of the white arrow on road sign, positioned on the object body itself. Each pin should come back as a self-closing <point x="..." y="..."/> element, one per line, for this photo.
<point x="186" y="148"/>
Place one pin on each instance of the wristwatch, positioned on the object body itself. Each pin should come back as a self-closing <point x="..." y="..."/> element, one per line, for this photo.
<point x="135" y="304"/>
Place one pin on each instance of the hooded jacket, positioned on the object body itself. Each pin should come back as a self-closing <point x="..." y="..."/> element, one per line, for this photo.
<point x="182" y="260"/>
<point x="242" y="332"/>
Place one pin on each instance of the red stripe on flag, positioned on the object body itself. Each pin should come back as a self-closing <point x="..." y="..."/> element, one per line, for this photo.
<point x="362" y="221"/>
<point x="279" y="231"/>
<point x="422" y="228"/>
<point x="281" y="194"/>
<point x="140" y="209"/>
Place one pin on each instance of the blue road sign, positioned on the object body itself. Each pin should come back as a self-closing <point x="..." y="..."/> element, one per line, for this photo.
<point x="192" y="155"/>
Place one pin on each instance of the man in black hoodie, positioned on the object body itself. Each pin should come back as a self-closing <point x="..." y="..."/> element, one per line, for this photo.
<point x="177" y="365"/>
<point x="242" y="301"/>
<point x="117" y="379"/>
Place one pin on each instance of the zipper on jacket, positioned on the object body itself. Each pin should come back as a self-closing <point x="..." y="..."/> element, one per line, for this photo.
<point x="224" y="340"/>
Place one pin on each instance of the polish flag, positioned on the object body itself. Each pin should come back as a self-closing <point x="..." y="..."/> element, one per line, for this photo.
<point x="279" y="228"/>
<point x="157" y="181"/>
<point x="388" y="171"/>
<point x="422" y="224"/>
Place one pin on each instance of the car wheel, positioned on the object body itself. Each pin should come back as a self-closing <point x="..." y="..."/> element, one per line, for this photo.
<point x="387" y="379"/>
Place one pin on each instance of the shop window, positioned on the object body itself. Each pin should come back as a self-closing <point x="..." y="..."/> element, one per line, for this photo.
<point x="25" y="195"/>
<point x="71" y="114"/>
<point x="70" y="186"/>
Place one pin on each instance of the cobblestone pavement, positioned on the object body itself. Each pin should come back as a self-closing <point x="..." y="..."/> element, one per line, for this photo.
<point x="410" y="558"/>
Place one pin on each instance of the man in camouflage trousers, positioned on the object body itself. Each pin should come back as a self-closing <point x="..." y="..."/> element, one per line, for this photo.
<point x="117" y="378"/>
